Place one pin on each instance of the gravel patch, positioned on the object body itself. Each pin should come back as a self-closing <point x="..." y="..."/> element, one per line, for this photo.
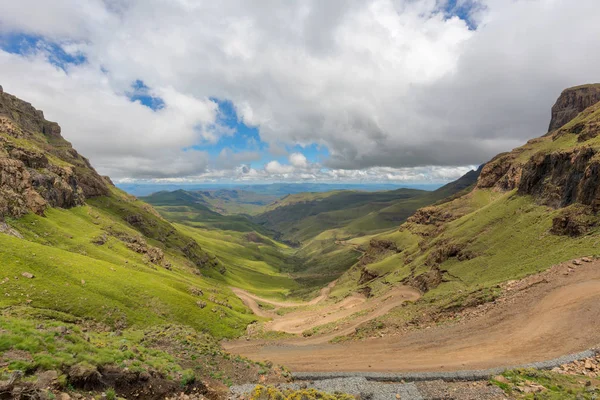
<point x="445" y="376"/>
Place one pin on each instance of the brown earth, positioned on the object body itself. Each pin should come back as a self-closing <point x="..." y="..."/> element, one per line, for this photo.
<point x="539" y="318"/>
<point x="354" y="310"/>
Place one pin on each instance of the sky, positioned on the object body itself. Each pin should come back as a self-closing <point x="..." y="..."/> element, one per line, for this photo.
<point x="358" y="91"/>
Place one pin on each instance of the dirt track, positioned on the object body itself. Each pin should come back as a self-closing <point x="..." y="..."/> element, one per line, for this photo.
<point x="556" y="313"/>
<point x="356" y="308"/>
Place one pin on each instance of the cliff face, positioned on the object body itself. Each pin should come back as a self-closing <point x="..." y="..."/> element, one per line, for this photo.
<point x="561" y="168"/>
<point x="38" y="168"/>
<point x="571" y="102"/>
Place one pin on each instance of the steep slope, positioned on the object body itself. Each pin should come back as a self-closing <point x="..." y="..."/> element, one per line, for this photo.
<point x="98" y="290"/>
<point x="38" y="168"/>
<point x="56" y="207"/>
<point x="532" y="208"/>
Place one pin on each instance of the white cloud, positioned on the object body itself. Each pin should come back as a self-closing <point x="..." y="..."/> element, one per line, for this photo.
<point x="298" y="160"/>
<point x="275" y="168"/>
<point x="385" y="85"/>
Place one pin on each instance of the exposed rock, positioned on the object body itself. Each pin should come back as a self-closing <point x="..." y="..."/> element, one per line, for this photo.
<point x="366" y="276"/>
<point x="6" y="229"/>
<point x="574" y="221"/>
<point x="426" y="281"/>
<point x="41" y="169"/>
<point x="85" y="376"/>
<point x="571" y="102"/>
<point x="431" y="216"/>
<point x="28" y="275"/>
<point x="500" y="173"/>
<point x="562" y="178"/>
<point x="446" y="250"/>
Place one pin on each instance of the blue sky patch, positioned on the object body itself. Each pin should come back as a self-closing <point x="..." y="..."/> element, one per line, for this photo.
<point x="462" y="10"/>
<point x="247" y="139"/>
<point x="23" y="44"/>
<point x="140" y="92"/>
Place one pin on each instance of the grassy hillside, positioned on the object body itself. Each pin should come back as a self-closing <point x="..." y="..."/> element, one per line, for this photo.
<point x="192" y="209"/>
<point x="532" y="208"/>
<point x="347" y="214"/>
<point x="221" y="201"/>
<point x="89" y="262"/>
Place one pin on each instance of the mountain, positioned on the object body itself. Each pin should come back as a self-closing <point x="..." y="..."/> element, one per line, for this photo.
<point x="301" y="217"/>
<point x="531" y="208"/>
<point x="272" y="189"/>
<point x="98" y="290"/>
<point x="222" y="201"/>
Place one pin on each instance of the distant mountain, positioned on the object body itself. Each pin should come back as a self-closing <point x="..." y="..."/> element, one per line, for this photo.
<point x="222" y="201"/>
<point x="303" y="216"/>
<point x="210" y="209"/>
<point x="272" y="189"/>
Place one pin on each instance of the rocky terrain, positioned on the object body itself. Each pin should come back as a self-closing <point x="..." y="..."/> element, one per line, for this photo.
<point x="38" y="168"/>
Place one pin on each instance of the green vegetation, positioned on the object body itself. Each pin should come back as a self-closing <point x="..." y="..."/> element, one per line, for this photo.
<point x="272" y="393"/>
<point x="347" y="214"/>
<point x="221" y="201"/>
<point x="547" y="385"/>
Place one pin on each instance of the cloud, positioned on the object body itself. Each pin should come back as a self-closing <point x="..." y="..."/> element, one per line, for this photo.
<point x="275" y="168"/>
<point x="400" y="88"/>
<point x="298" y="160"/>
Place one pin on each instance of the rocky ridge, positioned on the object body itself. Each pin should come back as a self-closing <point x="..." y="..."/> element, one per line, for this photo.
<point x="571" y="102"/>
<point x="552" y="168"/>
<point x="38" y="167"/>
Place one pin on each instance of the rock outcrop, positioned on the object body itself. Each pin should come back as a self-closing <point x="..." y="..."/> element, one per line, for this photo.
<point x="571" y="102"/>
<point x="552" y="169"/>
<point x="38" y="168"/>
<point x="562" y="178"/>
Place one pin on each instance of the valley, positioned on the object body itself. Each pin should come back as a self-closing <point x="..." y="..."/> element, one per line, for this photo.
<point x="205" y="289"/>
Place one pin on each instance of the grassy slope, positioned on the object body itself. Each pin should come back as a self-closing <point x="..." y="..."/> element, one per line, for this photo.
<point x="109" y="283"/>
<point x="221" y="201"/>
<point x="496" y="236"/>
<point x="347" y="214"/>
<point x="259" y="267"/>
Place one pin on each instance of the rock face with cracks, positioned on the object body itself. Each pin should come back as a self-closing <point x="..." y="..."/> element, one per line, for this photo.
<point x="38" y="168"/>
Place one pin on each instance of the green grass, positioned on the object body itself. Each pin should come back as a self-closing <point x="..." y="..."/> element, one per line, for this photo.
<point x="117" y="294"/>
<point x="556" y="386"/>
<point x="506" y="236"/>
<point x="257" y="267"/>
<point x="56" y="345"/>
<point x="302" y="217"/>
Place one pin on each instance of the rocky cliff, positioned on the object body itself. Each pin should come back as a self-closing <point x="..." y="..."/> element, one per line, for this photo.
<point x="509" y="224"/>
<point x="561" y="168"/>
<point x="38" y="168"/>
<point x="571" y="102"/>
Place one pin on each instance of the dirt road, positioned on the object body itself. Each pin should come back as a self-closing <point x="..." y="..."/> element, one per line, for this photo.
<point x="559" y="313"/>
<point x="353" y="311"/>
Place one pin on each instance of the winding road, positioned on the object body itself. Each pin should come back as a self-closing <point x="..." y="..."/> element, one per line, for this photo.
<point x="559" y="314"/>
